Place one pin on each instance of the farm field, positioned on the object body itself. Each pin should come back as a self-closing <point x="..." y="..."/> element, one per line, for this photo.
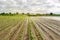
<point x="29" y="28"/>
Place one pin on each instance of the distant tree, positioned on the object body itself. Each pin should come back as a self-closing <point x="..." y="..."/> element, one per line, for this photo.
<point x="10" y="13"/>
<point x="17" y="13"/>
<point x="28" y="14"/>
<point x="3" y="13"/>
<point x="22" y="13"/>
<point x="51" y="13"/>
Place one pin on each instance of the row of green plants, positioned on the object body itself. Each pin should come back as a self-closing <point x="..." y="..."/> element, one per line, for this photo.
<point x="20" y="35"/>
<point x="31" y="35"/>
<point x="38" y="33"/>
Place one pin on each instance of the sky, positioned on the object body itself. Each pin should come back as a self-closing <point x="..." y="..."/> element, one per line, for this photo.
<point x="31" y="6"/>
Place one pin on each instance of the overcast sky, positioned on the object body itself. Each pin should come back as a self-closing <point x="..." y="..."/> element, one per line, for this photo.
<point x="32" y="6"/>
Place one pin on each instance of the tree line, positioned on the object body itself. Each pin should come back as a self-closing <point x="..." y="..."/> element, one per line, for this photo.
<point x="37" y="14"/>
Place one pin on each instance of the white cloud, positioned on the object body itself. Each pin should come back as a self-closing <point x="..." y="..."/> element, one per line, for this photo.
<point x="30" y="6"/>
